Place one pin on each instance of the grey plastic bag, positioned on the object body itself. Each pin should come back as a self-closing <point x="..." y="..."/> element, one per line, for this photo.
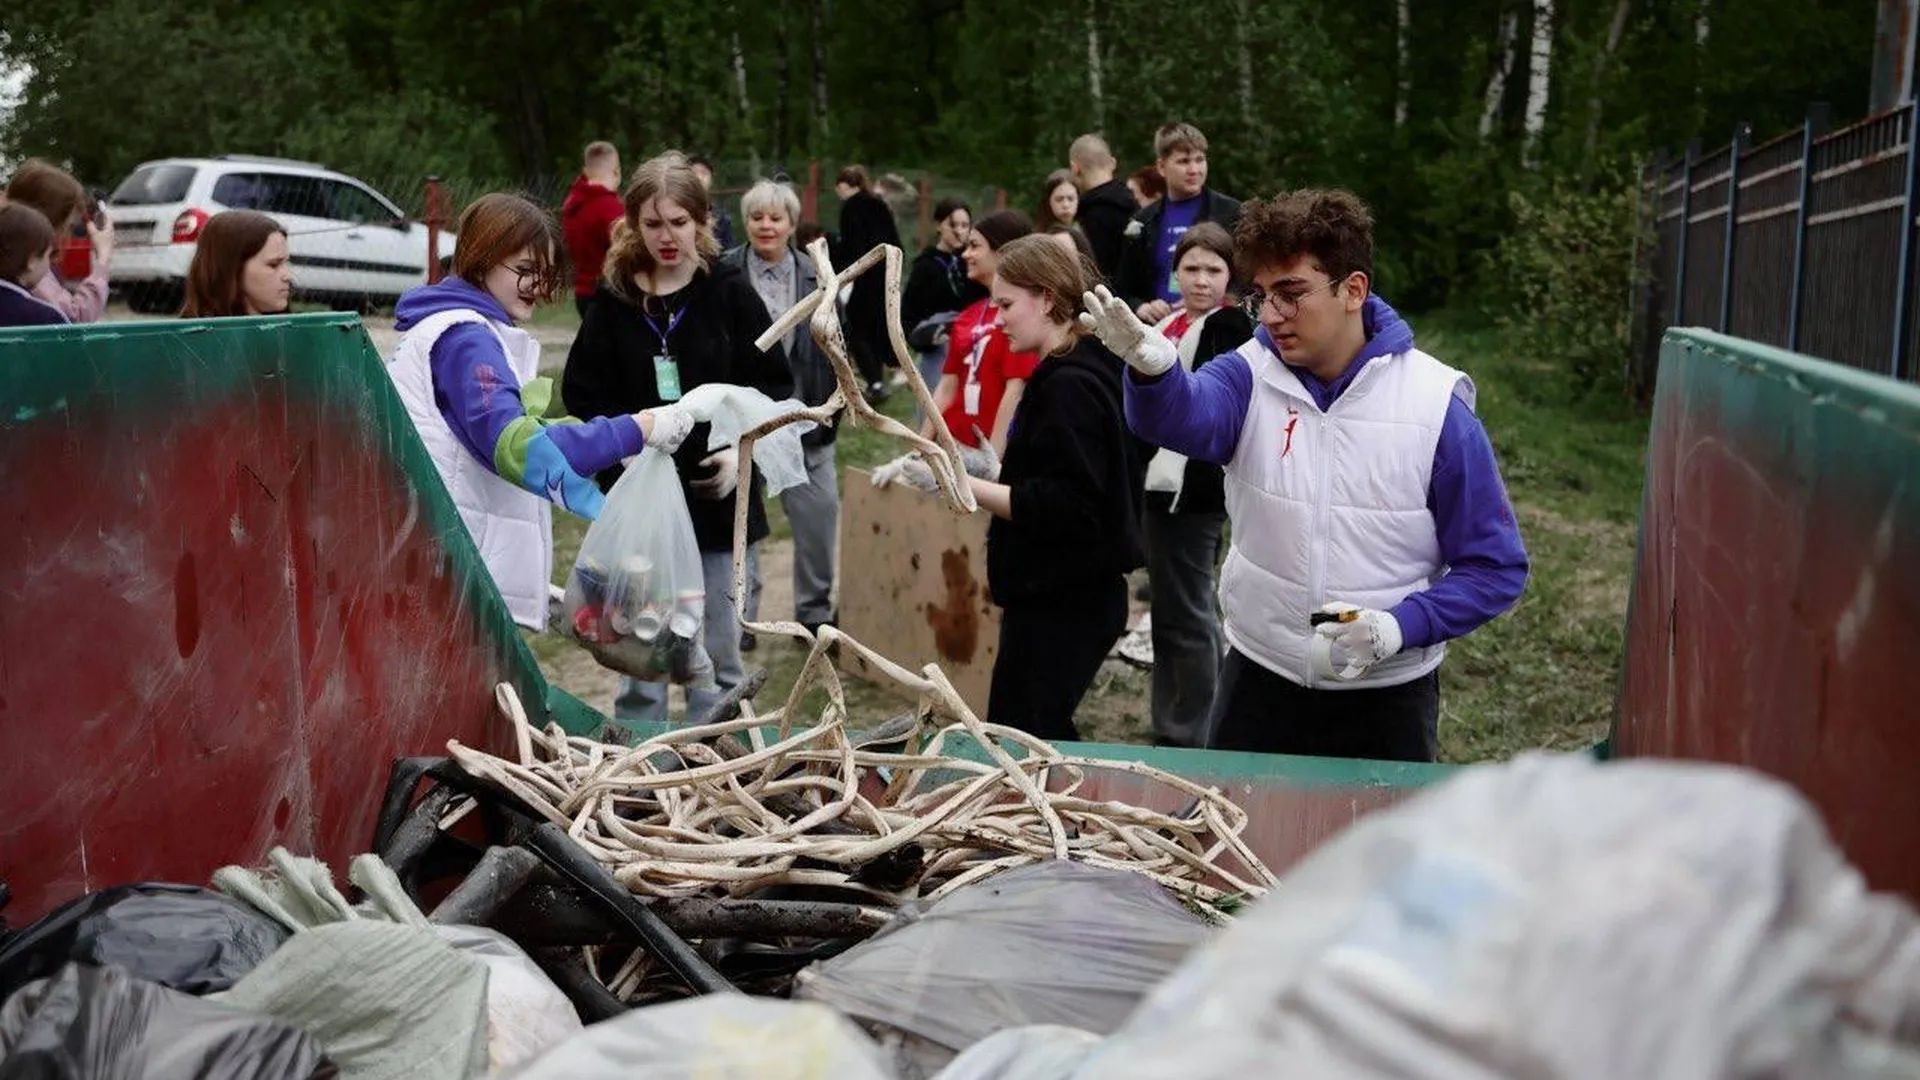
<point x="1055" y="943"/>
<point x="717" y="1037"/>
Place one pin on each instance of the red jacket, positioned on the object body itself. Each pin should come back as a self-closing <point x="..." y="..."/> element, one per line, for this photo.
<point x="587" y="216"/>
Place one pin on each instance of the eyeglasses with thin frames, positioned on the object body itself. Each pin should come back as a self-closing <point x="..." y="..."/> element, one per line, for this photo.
<point x="1284" y="304"/>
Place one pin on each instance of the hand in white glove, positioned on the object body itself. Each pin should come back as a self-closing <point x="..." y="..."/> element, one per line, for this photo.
<point x="1347" y="649"/>
<point x="1140" y="345"/>
<point x="907" y="469"/>
<point x="980" y="461"/>
<point x="726" y="477"/>
<point x="703" y="402"/>
<point x="666" y="427"/>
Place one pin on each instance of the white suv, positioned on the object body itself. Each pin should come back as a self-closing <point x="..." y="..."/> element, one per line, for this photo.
<point x="351" y="246"/>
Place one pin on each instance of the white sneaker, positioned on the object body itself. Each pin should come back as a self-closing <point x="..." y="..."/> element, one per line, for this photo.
<point x="1136" y="645"/>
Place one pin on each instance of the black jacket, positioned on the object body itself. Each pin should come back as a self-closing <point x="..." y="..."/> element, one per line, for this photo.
<point x="1075" y="477"/>
<point x="937" y="283"/>
<point x="1203" y="491"/>
<point x="1134" y="282"/>
<point x="610" y="372"/>
<point x="1103" y="216"/>
<point x="813" y="381"/>
<point x="865" y="221"/>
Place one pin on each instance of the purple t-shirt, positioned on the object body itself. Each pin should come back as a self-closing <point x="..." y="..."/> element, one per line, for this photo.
<point x="1175" y="219"/>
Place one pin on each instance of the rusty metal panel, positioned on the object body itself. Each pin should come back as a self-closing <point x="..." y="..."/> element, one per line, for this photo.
<point x="1775" y="612"/>
<point x="234" y="590"/>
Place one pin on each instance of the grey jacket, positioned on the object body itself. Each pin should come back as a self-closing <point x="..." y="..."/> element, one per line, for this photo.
<point x="813" y="380"/>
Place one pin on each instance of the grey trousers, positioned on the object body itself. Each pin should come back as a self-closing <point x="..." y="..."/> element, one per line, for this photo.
<point x="1182" y="551"/>
<point x="933" y="363"/>
<point x="647" y="701"/>
<point x="813" y="512"/>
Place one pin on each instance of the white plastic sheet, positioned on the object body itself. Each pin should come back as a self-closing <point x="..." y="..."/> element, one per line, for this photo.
<point x="717" y="1037"/>
<point x="526" y="1013"/>
<point x="735" y="410"/>
<point x="1553" y="917"/>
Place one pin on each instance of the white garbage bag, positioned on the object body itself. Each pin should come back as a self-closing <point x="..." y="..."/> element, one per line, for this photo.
<point x="1553" y="917"/>
<point x="717" y="1037"/>
<point x="526" y="1013"/>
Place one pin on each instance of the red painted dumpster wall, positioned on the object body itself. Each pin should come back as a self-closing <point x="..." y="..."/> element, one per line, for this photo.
<point x="229" y="597"/>
<point x="1775" y="613"/>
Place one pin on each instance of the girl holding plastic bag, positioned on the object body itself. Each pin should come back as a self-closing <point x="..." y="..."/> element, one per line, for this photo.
<point x="667" y="319"/>
<point x="470" y="380"/>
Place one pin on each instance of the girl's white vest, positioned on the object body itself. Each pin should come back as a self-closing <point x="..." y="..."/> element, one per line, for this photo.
<point x="1333" y="506"/>
<point x="511" y="526"/>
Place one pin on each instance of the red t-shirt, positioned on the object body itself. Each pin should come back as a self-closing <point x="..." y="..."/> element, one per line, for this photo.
<point x="587" y="219"/>
<point x="977" y="352"/>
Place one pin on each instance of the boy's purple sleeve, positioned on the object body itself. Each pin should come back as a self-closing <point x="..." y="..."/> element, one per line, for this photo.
<point x="1479" y="539"/>
<point x="1196" y="413"/>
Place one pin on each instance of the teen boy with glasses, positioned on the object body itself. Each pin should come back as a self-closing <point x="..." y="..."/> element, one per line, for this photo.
<point x="1370" y="523"/>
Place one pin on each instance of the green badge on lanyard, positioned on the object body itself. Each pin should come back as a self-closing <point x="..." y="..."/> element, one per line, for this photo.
<point x="666" y="376"/>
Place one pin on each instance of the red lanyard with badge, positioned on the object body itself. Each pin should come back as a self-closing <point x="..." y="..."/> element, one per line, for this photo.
<point x="666" y="370"/>
<point x="982" y="331"/>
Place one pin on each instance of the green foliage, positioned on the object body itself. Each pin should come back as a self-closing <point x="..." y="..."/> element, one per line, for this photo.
<point x="1566" y="270"/>
<point x="1290" y="92"/>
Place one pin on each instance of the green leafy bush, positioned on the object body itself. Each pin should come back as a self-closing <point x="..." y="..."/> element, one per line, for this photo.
<point x="1566" y="272"/>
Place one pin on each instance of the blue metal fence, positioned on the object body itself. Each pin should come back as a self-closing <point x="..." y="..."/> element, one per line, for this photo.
<point x="1805" y="241"/>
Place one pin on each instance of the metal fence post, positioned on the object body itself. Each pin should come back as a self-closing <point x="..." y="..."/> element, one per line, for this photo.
<point x="1815" y="126"/>
<point x="1686" y="226"/>
<point x="1903" y="295"/>
<point x="436" y="220"/>
<point x="810" y="198"/>
<point x="1742" y="135"/>
<point x="924" y="227"/>
<point x="1000" y="198"/>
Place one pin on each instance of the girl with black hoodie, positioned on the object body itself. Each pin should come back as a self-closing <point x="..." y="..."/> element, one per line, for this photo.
<point x="1065" y="500"/>
<point x="668" y="318"/>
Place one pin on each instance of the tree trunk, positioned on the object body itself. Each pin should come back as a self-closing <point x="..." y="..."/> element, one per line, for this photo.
<point x="783" y="85"/>
<point x="1702" y="23"/>
<point x="732" y="15"/>
<point x="1095" y="95"/>
<point x="1244" y="57"/>
<point x="818" y="13"/>
<point x="1402" y="46"/>
<point x="1539" y="79"/>
<point x="1502" y="69"/>
<point x="1615" y="31"/>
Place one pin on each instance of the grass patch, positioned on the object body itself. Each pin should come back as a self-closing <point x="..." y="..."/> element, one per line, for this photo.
<point x="1543" y="675"/>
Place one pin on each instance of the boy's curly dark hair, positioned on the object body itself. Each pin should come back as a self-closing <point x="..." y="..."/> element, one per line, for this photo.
<point x="1331" y="225"/>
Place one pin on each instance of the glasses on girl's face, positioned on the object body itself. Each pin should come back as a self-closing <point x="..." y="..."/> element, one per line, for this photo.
<point x="526" y="278"/>
<point x="1285" y="302"/>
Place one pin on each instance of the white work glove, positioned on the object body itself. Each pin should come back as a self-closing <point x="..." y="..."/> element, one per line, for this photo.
<point x="1346" y="650"/>
<point x="671" y="424"/>
<point x="980" y="461"/>
<point x="1140" y="345"/>
<point x="907" y="469"/>
<point x="727" y="477"/>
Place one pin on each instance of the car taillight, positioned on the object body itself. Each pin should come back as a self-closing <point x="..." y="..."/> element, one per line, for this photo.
<point x="186" y="227"/>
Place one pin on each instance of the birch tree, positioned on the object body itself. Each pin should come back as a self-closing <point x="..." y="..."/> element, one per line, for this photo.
<point x="1502" y="69"/>
<point x="817" y="12"/>
<point x="1615" y="31"/>
<point x="1243" y="48"/>
<point x="740" y="84"/>
<point x="1096" y="96"/>
<point x="1403" y="54"/>
<point x="1539" y="79"/>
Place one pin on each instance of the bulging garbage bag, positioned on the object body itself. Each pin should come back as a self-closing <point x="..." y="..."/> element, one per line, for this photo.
<point x="100" y="1023"/>
<point x="1553" y="917"/>
<point x="526" y="1012"/>
<point x="178" y="936"/>
<point x="1054" y="943"/>
<point x="716" y="1037"/>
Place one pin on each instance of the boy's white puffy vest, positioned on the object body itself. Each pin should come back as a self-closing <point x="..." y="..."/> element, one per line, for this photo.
<point x="1333" y="506"/>
<point x="511" y="526"/>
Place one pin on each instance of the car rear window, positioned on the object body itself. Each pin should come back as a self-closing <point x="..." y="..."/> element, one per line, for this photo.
<point x="152" y="184"/>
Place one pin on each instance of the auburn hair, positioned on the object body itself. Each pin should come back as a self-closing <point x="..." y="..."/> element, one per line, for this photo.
<point x="1042" y="265"/>
<point x="665" y="177"/>
<point x="24" y="233"/>
<point x="214" y="279"/>
<point x="497" y="226"/>
<point x="49" y="189"/>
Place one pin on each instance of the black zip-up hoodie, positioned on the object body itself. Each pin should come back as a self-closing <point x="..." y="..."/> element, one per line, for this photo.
<point x="1104" y="212"/>
<point x="1075" y="474"/>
